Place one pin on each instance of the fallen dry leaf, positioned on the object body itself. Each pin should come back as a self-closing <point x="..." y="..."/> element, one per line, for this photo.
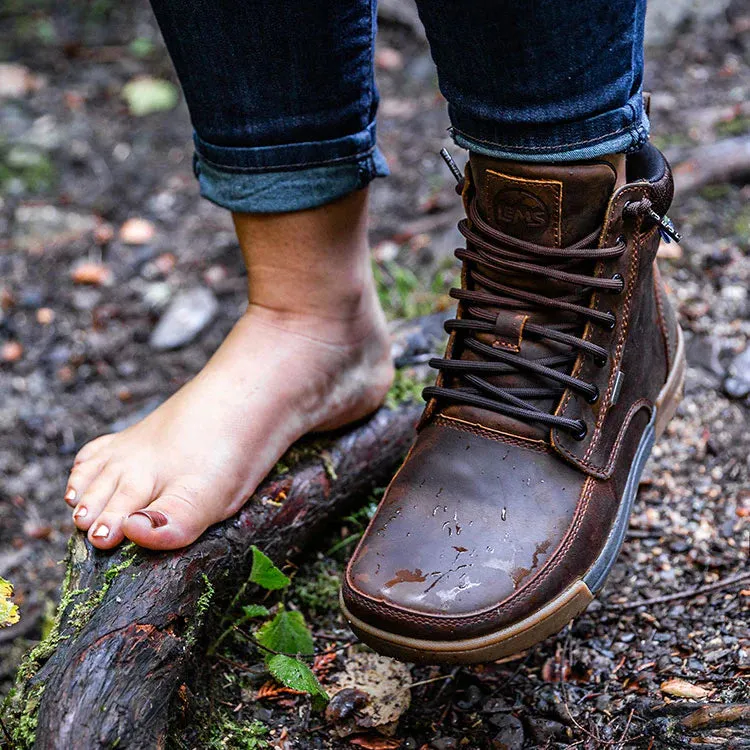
<point x="717" y="714"/>
<point x="272" y="691"/>
<point x="376" y="743"/>
<point x="684" y="689"/>
<point x="137" y="231"/>
<point x="95" y="274"/>
<point x="384" y="681"/>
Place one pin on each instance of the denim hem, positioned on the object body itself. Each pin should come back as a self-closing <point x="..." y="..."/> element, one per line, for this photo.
<point x="293" y="187"/>
<point x="620" y="130"/>
<point x="240" y="159"/>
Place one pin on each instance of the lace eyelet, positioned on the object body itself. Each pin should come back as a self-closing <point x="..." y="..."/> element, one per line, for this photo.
<point x="618" y="277"/>
<point x="599" y="361"/>
<point x="594" y="397"/>
<point x="582" y="432"/>
<point x="611" y="323"/>
<point x="621" y="238"/>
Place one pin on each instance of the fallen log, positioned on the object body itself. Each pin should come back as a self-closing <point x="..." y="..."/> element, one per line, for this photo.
<point x="130" y="622"/>
<point x="724" y="161"/>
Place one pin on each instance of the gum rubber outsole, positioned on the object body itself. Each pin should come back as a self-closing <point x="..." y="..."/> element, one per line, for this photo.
<point x="558" y="612"/>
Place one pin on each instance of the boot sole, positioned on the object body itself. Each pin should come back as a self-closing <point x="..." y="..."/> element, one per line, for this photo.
<point x="557" y="613"/>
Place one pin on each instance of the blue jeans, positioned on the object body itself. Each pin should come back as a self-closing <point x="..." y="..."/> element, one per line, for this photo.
<point x="283" y="99"/>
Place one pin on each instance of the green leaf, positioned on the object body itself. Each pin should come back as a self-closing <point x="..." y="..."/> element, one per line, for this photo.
<point x="146" y="95"/>
<point x="8" y="611"/>
<point x="287" y="633"/>
<point x="265" y="573"/>
<point x="298" y="676"/>
<point x="251" y="611"/>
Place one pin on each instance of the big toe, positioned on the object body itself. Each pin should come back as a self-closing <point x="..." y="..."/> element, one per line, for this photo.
<point x="129" y="496"/>
<point x="175" y="519"/>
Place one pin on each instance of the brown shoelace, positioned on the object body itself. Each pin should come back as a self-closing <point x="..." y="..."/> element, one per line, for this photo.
<point x="489" y="249"/>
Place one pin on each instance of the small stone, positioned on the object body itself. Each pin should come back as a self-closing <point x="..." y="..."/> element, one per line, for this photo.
<point x="737" y="383"/>
<point x="188" y="314"/>
<point x="137" y="232"/>
<point x="510" y="736"/>
<point x="444" y="743"/>
<point x="471" y="697"/>
<point x="387" y="58"/>
<point x="17" y="81"/>
<point x="44" y="316"/>
<point x="103" y="233"/>
<point x="543" y="731"/>
<point x="11" y="351"/>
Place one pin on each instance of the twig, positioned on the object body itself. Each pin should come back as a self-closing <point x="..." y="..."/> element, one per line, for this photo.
<point x="720" y="584"/>
<point x="425" y="682"/>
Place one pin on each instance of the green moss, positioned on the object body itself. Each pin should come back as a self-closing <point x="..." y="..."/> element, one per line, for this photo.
<point x="23" y="730"/>
<point x="83" y="610"/>
<point x="21" y="709"/>
<point x="204" y="600"/>
<point x="734" y="127"/>
<point x="406" y="387"/>
<point x="316" y="587"/>
<point x="304" y="450"/>
<point x="742" y="225"/>
<point x="25" y="169"/>
<point x="202" y="605"/>
<point x="226" y="733"/>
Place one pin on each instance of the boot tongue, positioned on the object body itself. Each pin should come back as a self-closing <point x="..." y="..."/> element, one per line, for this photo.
<point x="551" y="205"/>
<point x="548" y="204"/>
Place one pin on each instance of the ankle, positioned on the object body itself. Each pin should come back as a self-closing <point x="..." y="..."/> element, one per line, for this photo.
<point x="310" y="263"/>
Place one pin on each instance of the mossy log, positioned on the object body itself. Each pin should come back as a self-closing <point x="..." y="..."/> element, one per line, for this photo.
<point x="131" y="622"/>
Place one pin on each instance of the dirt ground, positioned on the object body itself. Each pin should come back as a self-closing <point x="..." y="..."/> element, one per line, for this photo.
<point x="81" y="294"/>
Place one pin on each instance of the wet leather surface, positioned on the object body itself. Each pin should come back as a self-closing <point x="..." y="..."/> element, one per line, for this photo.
<point x="467" y="521"/>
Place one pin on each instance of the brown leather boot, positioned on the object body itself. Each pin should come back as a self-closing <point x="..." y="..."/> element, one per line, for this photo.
<point x="564" y="362"/>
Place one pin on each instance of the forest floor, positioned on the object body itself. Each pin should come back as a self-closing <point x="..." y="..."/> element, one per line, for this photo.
<point x="81" y="291"/>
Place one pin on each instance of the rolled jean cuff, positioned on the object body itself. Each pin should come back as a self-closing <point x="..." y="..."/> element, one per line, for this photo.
<point x="293" y="177"/>
<point x="617" y="131"/>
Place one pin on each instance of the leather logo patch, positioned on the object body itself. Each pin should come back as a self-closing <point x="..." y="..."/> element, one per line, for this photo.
<point x="517" y="209"/>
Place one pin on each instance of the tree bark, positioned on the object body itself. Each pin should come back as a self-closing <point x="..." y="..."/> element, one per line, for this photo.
<point x="130" y="620"/>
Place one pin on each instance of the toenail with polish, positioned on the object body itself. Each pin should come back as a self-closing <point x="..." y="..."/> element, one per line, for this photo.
<point x="81" y="512"/>
<point x="71" y="495"/>
<point x="101" y="532"/>
<point x="155" y="517"/>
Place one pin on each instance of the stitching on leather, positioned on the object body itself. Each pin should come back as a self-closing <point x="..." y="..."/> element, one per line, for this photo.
<point x="626" y="311"/>
<point x="486" y="432"/>
<point x="507" y="344"/>
<point x="599" y="471"/>
<point x="658" y="291"/>
<point x="589" y="329"/>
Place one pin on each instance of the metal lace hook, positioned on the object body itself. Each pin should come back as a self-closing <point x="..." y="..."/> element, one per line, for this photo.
<point x="455" y="171"/>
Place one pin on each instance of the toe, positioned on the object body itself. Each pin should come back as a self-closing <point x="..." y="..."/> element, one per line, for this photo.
<point x="175" y="519"/>
<point x="92" y="448"/>
<point x="95" y="497"/>
<point x="106" y="532"/>
<point x="86" y="466"/>
<point x="81" y="477"/>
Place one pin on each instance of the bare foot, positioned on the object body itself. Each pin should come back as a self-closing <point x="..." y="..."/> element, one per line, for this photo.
<point x="198" y="457"/>
<point x="312" y="352"/>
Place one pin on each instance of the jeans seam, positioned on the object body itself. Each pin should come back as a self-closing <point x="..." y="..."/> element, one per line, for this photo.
<point x="282" y="167"/>
<point x="484" y="141"/>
